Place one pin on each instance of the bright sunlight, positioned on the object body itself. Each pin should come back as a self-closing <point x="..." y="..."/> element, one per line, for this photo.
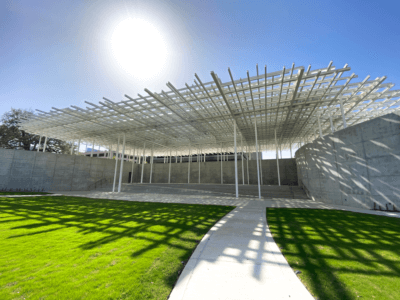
<point x="139" y="47"/>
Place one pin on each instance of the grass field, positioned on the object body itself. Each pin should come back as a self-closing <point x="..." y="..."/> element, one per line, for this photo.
<point x="79" y="248"/>
<point x="341" y="255"/>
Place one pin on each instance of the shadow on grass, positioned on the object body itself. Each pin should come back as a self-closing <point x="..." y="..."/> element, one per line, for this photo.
<point x="342" y="255"/>
<point x="178" y="226"/>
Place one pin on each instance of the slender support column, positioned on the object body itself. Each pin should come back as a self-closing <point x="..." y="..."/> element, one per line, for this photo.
<point x="169" y="172"/>
<point x="247" y="160"/>
<point x="110" y="152"/>
<point x="258" y="167"/>
<point x="291" y="150"/>
<point x="277" y="160"/>
<point x="122" y="165"/>
<point x="72" y="147"/>
<point x="342" y="110"/>
<point x="222" y="173"/>
<point x="40" y="139"/>
<point x="261" y="172"/>
<point x="116" y="166"/>
<point x="241" y="144"/>
<point x="217" y="157"/>
<point x="319" y="127"/>
<point x="236" y="170"/>
<point x="330" y="119"/>
<point x="91" y="153"/>
<point x="151" y="163"/>
<point x="133" y="162"/>
<point x="190" y="148"/>
<point x="176" y="157"/>
<point x="199" y="160"/>
<point x="45" y="144"/>
<point x="79" y="145"/>
<point x="143" y="161"/>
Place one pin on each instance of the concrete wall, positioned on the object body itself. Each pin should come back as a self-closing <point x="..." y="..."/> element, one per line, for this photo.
<point x="210" y="172"/>
<point x="356" y="166"/>
<point x="56" y="172"/>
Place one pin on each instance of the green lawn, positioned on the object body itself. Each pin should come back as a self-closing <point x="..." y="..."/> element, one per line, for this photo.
<point x="23" y="193"/>
<point x="78" y="248"/>
<point x="342" y="255"/>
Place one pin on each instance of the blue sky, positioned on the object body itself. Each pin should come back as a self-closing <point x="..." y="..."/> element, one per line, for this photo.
<point x="59" y="53"/>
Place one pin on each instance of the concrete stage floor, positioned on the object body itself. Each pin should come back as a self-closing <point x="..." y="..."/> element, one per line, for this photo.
<point x="238" y="258"/>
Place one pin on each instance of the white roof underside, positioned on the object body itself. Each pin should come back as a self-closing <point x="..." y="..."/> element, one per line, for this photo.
<point x="201" y="115"/>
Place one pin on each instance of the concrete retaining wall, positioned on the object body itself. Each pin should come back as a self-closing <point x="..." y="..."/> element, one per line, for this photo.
<point x="210" y="172"/>
<point x="55" y="172"/>
<point x="356" y="166"/>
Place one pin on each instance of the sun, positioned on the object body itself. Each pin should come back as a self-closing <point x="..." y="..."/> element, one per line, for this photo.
<point x="139" y="47"/>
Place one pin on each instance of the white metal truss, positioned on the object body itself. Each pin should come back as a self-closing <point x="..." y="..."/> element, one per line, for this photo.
<point x="201" y="115"/>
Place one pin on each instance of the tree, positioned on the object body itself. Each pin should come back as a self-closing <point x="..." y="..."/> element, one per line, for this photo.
<point x="11" y="137"/>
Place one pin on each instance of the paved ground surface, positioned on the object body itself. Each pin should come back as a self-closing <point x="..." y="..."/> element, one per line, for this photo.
<point x="237" y="258"/>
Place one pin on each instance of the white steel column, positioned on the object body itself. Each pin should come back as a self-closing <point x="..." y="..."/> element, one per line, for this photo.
<point x="151" y="162"/>
<point x="91" y="153"/>
<point x="258" y="167"/>
<point x="319" y="127"/>
<point x="45" y="144"/>
<point x="79" y="145"/>
<point x="116" y="165"/>
<point x="222" y="173"/>
<point x="342" y="110"/>
<point x="190" y="148"/>
<point x="236" y="171"/>
<point x="122" y="165"/>
<point x="277" y="160"/>
<point x="261" y="176"/>
<point x="110" y="152"/>
<point x="291" y="150"/>
<point x="330" y="119"/>
<point x="169" y="172"/>
<point x="199" y="160"/>
<point x="248" y="178"/>
<point x="241" y="143"/>
<point x="40" y="139"/>
<point x="72" y="147"/>
<point x="144" y="153"/>
<point x="133" y="162"/>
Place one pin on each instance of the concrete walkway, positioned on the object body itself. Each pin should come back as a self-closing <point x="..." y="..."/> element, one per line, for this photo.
<point x="237" y="258"/>
<point x="38" y="195"/>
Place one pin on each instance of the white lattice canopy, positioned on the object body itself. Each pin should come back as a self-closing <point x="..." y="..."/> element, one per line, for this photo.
<point x="201" y="116"/>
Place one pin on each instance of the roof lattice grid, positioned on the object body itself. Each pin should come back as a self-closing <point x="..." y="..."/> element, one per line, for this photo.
<point x="201" y="116"/>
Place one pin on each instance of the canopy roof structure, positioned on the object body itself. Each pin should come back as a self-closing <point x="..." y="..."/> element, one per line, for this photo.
<point x="291" y="103"/>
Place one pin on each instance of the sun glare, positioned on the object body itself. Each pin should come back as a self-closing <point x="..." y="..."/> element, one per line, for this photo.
<point x="139" y="47"/>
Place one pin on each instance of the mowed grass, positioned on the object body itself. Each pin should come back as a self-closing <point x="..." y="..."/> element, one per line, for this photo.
<point x="79" y="248"/>
<point x="341" y="255"/>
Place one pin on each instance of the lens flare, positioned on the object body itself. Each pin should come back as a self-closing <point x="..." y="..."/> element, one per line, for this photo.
<point x="139" y="47"/>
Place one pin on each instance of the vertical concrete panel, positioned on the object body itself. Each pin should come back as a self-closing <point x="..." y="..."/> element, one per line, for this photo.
<point x="356" y="166"/>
